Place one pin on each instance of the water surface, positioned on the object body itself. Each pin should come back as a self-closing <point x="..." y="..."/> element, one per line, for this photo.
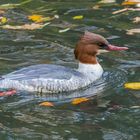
<point x="21" y="117"/>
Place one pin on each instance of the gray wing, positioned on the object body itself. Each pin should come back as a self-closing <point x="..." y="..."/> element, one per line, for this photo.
<point x="46" y="71"/>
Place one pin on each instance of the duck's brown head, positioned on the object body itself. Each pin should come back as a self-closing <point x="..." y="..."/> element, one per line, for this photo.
<point x="89" y="45"/>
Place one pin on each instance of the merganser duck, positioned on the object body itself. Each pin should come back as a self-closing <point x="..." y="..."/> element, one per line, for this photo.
<point x="48" y="78"/>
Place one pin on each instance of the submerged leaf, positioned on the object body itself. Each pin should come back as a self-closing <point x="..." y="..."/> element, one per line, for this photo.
<point x="46" y="104"/>
<point x="103" y="103"/>
<point x="133" y="86"/>
<point x="78" y="17"/>
<point x="79" y="100"/>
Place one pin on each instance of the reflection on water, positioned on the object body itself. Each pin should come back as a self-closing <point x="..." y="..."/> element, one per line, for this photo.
<point x="21" y="117"/>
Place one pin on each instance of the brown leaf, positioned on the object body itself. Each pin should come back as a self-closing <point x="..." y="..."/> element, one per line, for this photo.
<point x="32" y="26"/>
<point x="107" y="1"/>
<point x="126" y="9"/>
<point x="120" y="11"/>
<point x="136" y="20"/>
<point x="95" y="7"/>
<point x="2" y="11"/>
<point x="133" y="31"/>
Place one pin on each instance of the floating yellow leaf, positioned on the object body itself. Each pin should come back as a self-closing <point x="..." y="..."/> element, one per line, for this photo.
<point x="78" y="17"/>
<point x="32" y="26"/>
<point x="134" y="86"/>
<point x="79" y="100"/>
<point x="39" y="18"/>
<point x="35" y="18"/>
<point x="3" y="20"/>
<point x="46" y="104"/>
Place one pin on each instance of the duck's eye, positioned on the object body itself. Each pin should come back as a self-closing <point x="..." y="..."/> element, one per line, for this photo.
<point x="102" y="45"/>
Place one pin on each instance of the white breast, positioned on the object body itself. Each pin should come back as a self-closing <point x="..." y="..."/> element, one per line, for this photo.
<point x="92" y="71"/>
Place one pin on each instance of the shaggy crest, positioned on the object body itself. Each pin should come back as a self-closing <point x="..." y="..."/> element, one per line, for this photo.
<point x="89" y="37"/>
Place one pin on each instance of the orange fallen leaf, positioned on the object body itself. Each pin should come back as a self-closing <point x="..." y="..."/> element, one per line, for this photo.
<point x="46" y="104"/>
<point x="79" y="100"/>
<point x="131" y="2"/>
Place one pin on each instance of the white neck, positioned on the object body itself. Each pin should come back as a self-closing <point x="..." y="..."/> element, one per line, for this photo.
<point x="91" y="70"/>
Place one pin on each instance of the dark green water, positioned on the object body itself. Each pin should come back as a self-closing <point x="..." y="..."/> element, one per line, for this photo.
<point x="22" y="118"/>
